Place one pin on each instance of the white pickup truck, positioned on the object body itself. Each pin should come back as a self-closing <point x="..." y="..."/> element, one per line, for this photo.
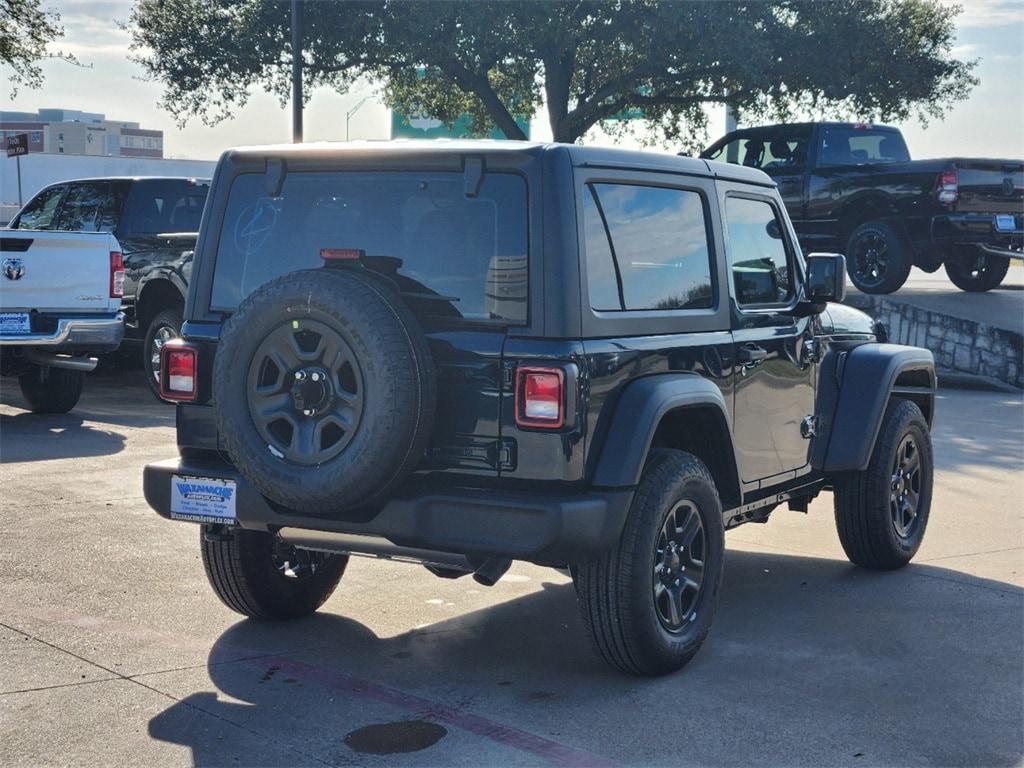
<point x="60" y="305"/>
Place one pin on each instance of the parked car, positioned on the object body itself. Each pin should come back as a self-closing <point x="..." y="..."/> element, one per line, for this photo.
<point x="853" y="187"/>
<point x="155" y="219"/>
<point x="469" y="353"/>
<point x="60" y="304"/>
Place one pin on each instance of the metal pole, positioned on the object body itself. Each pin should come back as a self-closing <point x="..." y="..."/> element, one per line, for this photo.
<point x="296" y="71"/>
<point x="17" y="161"/>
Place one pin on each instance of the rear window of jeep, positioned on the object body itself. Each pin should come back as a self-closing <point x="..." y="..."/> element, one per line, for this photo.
<point x="451" y="255"/>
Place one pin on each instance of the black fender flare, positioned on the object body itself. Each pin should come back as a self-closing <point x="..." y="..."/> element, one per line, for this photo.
<point x="159" y="277"/>
<point x="867" y="377"/>
<point x="638" y="412"/>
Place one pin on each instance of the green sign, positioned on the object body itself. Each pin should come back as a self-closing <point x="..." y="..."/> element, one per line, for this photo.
<point x="424" y="127"/>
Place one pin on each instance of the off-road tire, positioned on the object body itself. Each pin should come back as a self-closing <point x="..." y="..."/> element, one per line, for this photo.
<point x="242" y="572"/>
<point x="898" y="258"/>
<point x="170" y="319"/>
<point x="51" y="390"/>
<point x="398" y="383"/>
<point x="864" y="518"/>
<point x="968" y="272"/>
<point x="615" y="591"/>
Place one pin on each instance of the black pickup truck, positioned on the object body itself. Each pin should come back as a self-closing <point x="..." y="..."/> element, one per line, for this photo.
<point x="852" y="187"/>
<point x="155" y="219"/>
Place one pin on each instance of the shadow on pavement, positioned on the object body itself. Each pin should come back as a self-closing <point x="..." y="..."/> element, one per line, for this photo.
<point x="39" y="437"/>
<point x="811" y="661"/>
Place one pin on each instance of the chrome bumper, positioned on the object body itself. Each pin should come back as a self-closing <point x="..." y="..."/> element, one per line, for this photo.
<point x="100" y="333"/>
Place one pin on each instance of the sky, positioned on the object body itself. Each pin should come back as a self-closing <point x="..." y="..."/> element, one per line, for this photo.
<point x="989" y="124"/>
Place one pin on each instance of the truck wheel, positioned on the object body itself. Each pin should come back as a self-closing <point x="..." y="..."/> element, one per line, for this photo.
<point x="649" y="602"/>
<point x="164" y="326"/>
<point x="324" y="389"/>
<point x="259" y="576"/>
<point x="976" y="272"/>
<point x="881" y="512"/>
<point x="51" y="390"/>
<point x="879" y="258"/>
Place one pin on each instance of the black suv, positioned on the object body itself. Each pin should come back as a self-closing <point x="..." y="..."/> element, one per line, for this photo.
<point x="461" y="354"/>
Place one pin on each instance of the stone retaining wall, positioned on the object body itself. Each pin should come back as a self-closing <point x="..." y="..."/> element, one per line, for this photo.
<point x="961" y="345"/>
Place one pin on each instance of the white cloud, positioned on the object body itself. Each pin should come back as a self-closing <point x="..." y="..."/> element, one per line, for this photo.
<point x="989" y="13"/>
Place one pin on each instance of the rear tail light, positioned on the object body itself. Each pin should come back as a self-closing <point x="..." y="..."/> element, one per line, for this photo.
<point x="116" y="275"/>
<point x="947" y="189"/>
<point x="178" y="372"/>
<point x="540" y="397"/>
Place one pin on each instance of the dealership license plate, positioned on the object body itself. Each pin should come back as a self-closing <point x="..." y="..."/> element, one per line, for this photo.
<point x="203" y="499"/>
<point x="1005" y="222"/>
<point x="15" y="322"/>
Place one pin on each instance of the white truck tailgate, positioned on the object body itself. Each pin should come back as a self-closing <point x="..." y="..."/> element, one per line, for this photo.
<point x="51" y="271"/>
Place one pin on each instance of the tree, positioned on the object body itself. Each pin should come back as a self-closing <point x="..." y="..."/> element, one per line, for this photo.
<point x="25" y="32"/>
<point x="588" y="61"/>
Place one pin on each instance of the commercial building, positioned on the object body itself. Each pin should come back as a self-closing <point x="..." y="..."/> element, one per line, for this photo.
<point x="73" y="132"/>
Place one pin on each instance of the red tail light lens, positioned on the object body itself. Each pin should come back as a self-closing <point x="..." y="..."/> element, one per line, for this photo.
<point x="540" y="397"/>
<point x="116" y="275"/>
<point x="948" y="187"/>
<point x="178" y="367"/>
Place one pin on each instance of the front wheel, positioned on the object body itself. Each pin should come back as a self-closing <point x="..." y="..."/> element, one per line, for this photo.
<point x="882" y="511"/>
<point x="878" y="258"/>
<point x="164" y="326"/>
<point x="51" y="390"/>
<point x="649" y="602"/>
<point x="976" y="272"/>
<point x="259" y="576"/>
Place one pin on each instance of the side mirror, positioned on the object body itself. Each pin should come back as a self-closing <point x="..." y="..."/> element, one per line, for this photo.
<point x="826" y="278"/>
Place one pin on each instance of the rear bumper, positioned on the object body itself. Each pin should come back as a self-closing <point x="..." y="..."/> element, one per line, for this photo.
<point x="980" y="230"/>
<point x="543" y="528"/>
<point x="86" y="333"/>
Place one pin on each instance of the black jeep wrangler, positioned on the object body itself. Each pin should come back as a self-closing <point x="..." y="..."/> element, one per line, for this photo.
<point x="463" y="354"/>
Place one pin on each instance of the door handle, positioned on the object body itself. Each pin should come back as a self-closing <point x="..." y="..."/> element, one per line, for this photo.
<point x="750" y="354"/>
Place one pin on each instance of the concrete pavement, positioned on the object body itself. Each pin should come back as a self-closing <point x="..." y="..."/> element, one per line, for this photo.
<point x="115" y="651"/>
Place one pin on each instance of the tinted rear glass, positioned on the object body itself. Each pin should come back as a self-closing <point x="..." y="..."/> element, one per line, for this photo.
<point x="164" y="205"/>
<point x="451" y="255"/>
<point x="850" y="145"/>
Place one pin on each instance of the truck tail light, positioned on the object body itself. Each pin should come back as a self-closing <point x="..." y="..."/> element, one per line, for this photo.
<point x="947" y="188"/>
<point x="179" y="382"/>
<point x="540" y="397"/>
<point x="116" y="275"/>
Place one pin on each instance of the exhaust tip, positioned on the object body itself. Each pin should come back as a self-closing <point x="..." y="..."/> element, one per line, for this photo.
<point x="490" y="571"/>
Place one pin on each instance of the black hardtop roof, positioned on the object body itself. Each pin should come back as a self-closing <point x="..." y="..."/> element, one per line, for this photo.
<point x="580" y="156"/>
<point x="827" y="123"/>
<point x="200" y="179"/>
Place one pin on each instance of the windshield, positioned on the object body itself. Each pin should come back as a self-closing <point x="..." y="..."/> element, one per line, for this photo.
<point x="450" y="254"/>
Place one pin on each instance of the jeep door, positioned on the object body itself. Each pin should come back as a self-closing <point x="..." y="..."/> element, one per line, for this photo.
<point x="774" y="384"/>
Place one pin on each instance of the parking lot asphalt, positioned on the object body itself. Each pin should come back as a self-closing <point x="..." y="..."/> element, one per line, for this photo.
<point x="114" y="651"/>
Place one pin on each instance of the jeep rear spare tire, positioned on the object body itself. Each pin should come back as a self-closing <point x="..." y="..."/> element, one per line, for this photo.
<point x="324" y="389"/>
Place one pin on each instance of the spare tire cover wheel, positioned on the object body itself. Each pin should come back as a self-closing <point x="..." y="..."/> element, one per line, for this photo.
<point x="324" y="390"/>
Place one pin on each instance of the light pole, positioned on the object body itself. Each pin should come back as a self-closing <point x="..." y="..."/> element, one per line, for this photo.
<point x="348" y="115"/>
<point x="296" y="71"/>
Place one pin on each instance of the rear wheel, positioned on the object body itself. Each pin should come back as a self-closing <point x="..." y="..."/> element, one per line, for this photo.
<point x="258" y="575"/>
<point x="878" y="258"/>
<point x="51" y="390"/>
<point x="882" y="512"/>
<point x="649" y="602"/>
<point x="164" y="326"/>
<point x="976" y="272"/>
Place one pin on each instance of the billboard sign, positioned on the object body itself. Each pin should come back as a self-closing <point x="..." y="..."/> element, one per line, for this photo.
<point x="17" y="144"/>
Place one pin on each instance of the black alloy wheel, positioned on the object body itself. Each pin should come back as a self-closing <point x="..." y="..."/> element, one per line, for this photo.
<point x="869" y="258"/>
<point x="679" y="567"/>
<point x="878" y="258"/>
<point x="305" y="392"/>
<point x="905" y="488"/>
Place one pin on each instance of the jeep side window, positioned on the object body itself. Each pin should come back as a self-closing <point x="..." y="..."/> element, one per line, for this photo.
<point x="760" y="263"/>
<point x="647" y="248"/>
<point x="39" y="213"/>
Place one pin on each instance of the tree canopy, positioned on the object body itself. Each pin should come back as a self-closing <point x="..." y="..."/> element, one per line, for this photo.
<point x="587" y="61"/>
<point x="25" y="32"/>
